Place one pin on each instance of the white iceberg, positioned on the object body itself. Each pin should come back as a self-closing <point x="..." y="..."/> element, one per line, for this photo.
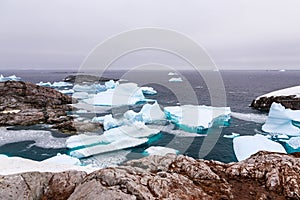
<point x="245" y="146"/>
<point x="175" y="79"/>
<point x="94" y="88"/>
<point x="61" y="84"/>
<point x="148" y="114"/>
<point x="172" y="73"/>
<point x="197" y="118"/>
<point x="111" y="84"/>
<point x="282" y="121"/>
<point x="233" y="135"/>
<point x="123" y="94"/>
<point x="9" y="78"/>
<point x="160" y="151"/>
<point x="45" y="84"/>
<point x="110" y="122"/>
<point x="63" y="159"/>
<point x="80" y="95"/>
<point x="70" y="91"/>
<point x="148" y="90"/>
<point x="114" y="139"/>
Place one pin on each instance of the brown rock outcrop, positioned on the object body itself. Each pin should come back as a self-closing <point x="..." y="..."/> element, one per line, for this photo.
<point x="264" y="103"/>
<point x="264" y="175"/>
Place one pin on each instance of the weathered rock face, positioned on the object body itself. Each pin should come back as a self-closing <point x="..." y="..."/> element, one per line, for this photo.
<point x="264" y="103"/>
<point x="263" y="176"/>
<point x="25" y="104"/>
<point x="35" y="185"/>
<point x="86" y="78"/>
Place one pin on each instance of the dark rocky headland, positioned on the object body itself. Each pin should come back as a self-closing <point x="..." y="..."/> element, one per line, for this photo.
<point x="264" y="103"/>
<point x="264" y="175"/>
<point x="25" y="104"/>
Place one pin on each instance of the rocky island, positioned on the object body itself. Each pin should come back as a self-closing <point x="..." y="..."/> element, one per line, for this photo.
<point x="264" y="175"/>
<point x="288" y="97"/>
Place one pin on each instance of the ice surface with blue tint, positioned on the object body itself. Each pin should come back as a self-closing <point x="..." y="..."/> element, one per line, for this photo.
<point x="197" y="119"/>
<point x="92" y="89"/>
<point x="80" y="95"/>
<point x="160" y="151"/>
<point x="9" y="78"/>
<point x="150" y="113"/>
<point x="123" y="94"/>
<point x="148" y="90"/>
<point x="245" y="146"/>
<point x="111" y="140"/>
<point x="45" y="84"/>
<point x="111" y="84"/>
<point x="61" y="84"/>
<point x="233" y="135"/>
<point x="175" y="79"/>
<point x="63" y="159"/>
<point x="282" y="121"/>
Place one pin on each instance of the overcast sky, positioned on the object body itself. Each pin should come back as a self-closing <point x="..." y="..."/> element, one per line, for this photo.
<point x="237" y="34"/>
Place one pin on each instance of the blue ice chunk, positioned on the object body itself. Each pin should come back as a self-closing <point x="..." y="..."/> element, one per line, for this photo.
<point x="282" y="121"/>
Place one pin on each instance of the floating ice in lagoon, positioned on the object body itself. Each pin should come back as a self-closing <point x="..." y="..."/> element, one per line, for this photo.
<point x="9" y="78"/>
<point x="123" y="94"/>
<point x="42" y="139"/>
<point x="197" y="118"/>
<point x="148" y="90"/>
<point x="282" y="121"/>
<point x="292" y="145"/>
<point x="109" y="122"/>
<point x="70" y="91"/>
<point x="114" y="139"/>
<point x="233" y="135"/>
<point x="245" y="146"/>
<point x="160" y="151"/>
<point x="45" y="84"/>
<point x="61" y="84"/>
<point x="148" y="114"/>
<point x="94" y="88"/>
<point x="175" y="79"/>
<point x="251" y="117"/>
<point x="172" y="74"/>
<point x="80" y="95"/>
<point x="63" y="159"/>
<point x="111" y="84"/>
<point x="15" y="165"/>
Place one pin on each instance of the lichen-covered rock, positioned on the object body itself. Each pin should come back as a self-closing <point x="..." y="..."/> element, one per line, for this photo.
<point x="36" y="185"/>
<point x="264" y="175"/>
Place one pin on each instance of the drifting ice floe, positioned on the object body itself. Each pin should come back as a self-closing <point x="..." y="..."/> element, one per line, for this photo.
<point x="80" y="95"/>
<point x="148" y="114"/>
<point x="178" y="79"/>
<point x="42" y="139"/>
<point x="114" y="139"/>
<point x="70" y="91"/>
<point x="233" y="135"/>
<point x="93" y="89"/>
<point x="123" y="94"/>
<point x="245" y="146"/>
<point x="251" y="117"/>
<point x="172" y="74"/>
<point x="9" y="78"/>
<point x="111" y="84"/>
<point x="63" y="159"/>
<point x="282" y="121"/>
<point x="160" y="151"/>
<point x="61" y="84"/>
<point x="148" y="90"/>
<point x="197" y="118"/>
<point x="14" y="165"/>
<point x="45" y="84"/>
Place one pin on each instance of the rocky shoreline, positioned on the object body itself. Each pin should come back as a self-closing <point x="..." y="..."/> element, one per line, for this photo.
<point x="26" y="104"/>
<point x="264" y="175"/>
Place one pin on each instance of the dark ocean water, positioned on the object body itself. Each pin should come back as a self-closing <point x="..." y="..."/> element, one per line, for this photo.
<point x="241" y="88"/>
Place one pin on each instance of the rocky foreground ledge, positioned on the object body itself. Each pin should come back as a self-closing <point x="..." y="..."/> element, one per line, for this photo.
<point x="263" y="176"/>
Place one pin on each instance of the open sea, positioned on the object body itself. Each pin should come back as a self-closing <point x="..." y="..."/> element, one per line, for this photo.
<point x="241" y="88"/>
